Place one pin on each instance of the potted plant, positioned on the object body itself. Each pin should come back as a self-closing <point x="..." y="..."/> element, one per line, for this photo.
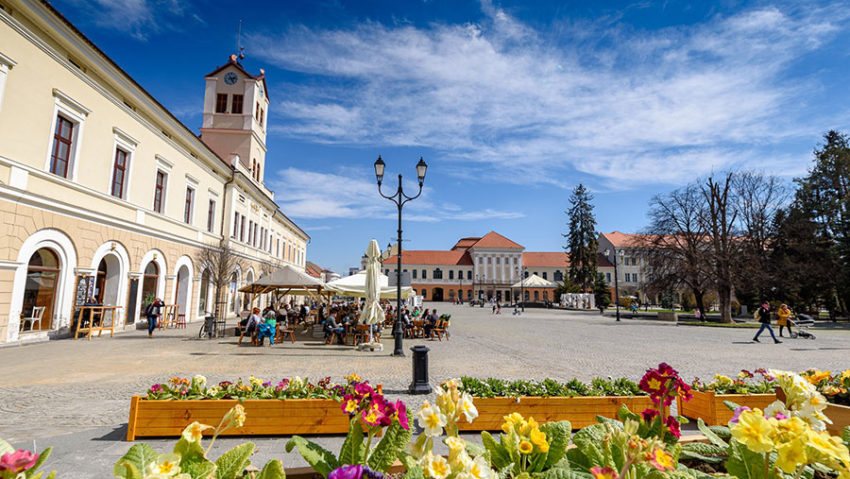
<point x="751" y="389"/>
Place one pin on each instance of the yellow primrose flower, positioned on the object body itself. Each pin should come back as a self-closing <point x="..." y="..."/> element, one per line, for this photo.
<point x="790" y="428"/>
<point x="754" y="431"/>
<point x="791" y="455"/>
<point x="845" y="375"/>
<point x="352" y="377"/>
<point x="479" y="469"/>
<point x="167" y="465"/>
<point x="455" y="443"/>
<point x="235" y="417"/>
<point x="527" y="426"/>
<point x="436" y="467"/>
<point x="817" y="376"/>
<point x="525" y="447"/>
<point x="467" y="408"/>
<point x="213" y="391"/>
<point x="829" y="446"/>
<point x="662" y="460"/>
<point x="351" y="405"/>
<point x="538" y="438"/>
<point x="195" y="432"/>
<point x="511" y="421"/>
<point x="431" y="420"/>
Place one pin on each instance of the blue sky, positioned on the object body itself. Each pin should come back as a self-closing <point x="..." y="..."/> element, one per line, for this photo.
<point x="511" y="103"/>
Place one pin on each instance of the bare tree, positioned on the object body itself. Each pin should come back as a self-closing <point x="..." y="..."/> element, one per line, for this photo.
<point x="719" y="221"/>
<point x="221" y="262"/>
<point x="675" y="249"/>
<point x="758" y="198"/>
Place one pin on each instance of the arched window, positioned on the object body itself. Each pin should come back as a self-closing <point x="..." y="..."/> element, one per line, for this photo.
<point x="537" y="296"/>
<point x="451" y="274"/>
<point x="469" y="275"/>
<point x="438" y="273"/>
<point x="559" y="276"/>
<point x="203" y="294"/>
<point x="544" y="275"/>
<point x="43" y="273"/>
<point x="526" y="274"/>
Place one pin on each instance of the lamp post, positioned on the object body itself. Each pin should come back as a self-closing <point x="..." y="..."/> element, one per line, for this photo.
<point x="616" y="282"/>
<point x="399" y="198"/>
<point x="519" y="272"/>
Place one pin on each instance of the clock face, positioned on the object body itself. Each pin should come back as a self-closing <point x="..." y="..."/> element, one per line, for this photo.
<point x="230" y="78"/>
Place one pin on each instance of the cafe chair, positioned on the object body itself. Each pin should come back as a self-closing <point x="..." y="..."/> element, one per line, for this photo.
<point x="37" y="313"/>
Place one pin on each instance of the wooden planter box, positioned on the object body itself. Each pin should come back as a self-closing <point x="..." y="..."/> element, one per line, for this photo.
<point x="840" y="417"/>
<point x="580" y="411"/>
<point x="266" y="417"/>
<point x="709" y="406"/>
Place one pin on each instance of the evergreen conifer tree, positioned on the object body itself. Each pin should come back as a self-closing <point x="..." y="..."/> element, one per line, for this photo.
<point x="581" y="240"/>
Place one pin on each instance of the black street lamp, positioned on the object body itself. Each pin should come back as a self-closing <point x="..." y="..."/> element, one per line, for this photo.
<point x="616" y="282"/>
<point x="399" y="198"/>
<point x="519" y="272"/>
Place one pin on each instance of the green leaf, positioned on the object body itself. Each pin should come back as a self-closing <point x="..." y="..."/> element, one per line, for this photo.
<point x="709" y="453"/>
<point x="319" y="458"/>
<point x="232" y="463"/>
<point x="414" y="472"/>
<point x="387" y="451"/>
<point x="474" y="449"/>
<point x="198" y="468"/>
<point x="189" y="451"/>
<point x="558" y="434"/>
<point x="505" y="472"/>
<point x="623" y="413"/>
<point x="710" y="435"/>
<point x="563" y="473"/>
<point x="613" y="422"/>
<point x="126" y="470"/>
<point x="408" y="461"/>
<point x="272" y="470"/>
<point x="139" y="456"/>
<point x="352" y="449"/>
<point x="731" y="405"/>
<point x="42" y="456"/>
<point x="722" y="432"/>
<point x="743" y="463"/>
<point x="845" y="436"/>
<point x="499" y="457"/>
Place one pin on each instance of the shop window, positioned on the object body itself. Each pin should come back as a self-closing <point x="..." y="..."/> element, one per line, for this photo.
<point x="43" y="272"/>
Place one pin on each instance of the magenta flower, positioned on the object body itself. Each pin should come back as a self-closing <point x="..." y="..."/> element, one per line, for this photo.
<point x="354" y="471"/>
<point x="673" y="426"/>
<point x="401" y="414"/>
<point x="156" y="388"/>
<point x="649" y="414"/>
<point x="738" y="411"/>
<point x="18" y="461"/>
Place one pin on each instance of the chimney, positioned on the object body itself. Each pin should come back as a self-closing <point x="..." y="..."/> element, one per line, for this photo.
<point x="234" y="160"/>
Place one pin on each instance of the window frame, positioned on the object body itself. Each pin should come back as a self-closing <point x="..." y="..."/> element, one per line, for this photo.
<point x="58" y="140"/>
<point x="189" y="205"/>
<point x="211" y="215"/>
<point x="6" y="65"/>
<point x="77" y="114"/>
<point x="235" y="233"/>
<point x="221" y="100"/>
<point x="160" y="191"/>
<point x="233" y="104"/>
<point x="123" y="169"/>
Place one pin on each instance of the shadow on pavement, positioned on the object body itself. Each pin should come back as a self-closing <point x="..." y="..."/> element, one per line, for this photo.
<point x="117" y="434"/>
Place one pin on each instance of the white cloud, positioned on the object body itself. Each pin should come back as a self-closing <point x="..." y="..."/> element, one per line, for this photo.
<point x="138" y="18"/>
<point x="313" y="195"/>
<point x="660" y="106"/>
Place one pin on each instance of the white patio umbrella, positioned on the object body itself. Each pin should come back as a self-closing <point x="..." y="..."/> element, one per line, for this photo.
<point x="373" y="313"/>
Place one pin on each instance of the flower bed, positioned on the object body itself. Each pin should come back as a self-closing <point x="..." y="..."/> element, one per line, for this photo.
<point x="753" y="390"/>
<point x="549" y="400"/>
<point x="290" y="407"/>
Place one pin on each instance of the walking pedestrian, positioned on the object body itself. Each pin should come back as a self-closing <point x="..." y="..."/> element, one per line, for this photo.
<point x="763" y="314"/>
<point x="783" y="316"/>
<point x="153" y="311"/>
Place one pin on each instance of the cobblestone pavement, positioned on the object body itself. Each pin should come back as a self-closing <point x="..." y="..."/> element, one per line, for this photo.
<point x="80" y="389"/>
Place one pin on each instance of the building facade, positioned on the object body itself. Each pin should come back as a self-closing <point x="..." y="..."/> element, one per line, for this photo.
<point x="482" y="268"/>
<point x="105" y="194"/>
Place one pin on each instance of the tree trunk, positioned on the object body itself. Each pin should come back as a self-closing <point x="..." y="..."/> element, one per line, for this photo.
<point x="724" y="295"/>
<point x="699" y="297"/>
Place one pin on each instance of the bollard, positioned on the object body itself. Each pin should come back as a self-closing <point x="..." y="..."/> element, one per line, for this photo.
<point x="210" y="325"/>
<point x="420" y="371"/>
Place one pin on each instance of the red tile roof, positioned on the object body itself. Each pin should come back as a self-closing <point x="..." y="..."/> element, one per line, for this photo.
<point x="313" y="269"/>
<point x="541" y="259"/>
<point x="602" y="261"/>
<point x="495" y="240"/>
<point x="450" y="258"/>
<point x="465" y="243"/>
<point x="623" y="240"/>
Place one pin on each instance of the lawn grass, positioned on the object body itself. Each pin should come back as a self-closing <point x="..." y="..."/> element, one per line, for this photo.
<point x="720" y="325"/>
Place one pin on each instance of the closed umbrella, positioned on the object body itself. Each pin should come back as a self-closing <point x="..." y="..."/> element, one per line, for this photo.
<point x="373" y="313"/>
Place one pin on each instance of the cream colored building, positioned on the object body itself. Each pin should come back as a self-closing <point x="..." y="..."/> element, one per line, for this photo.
<point x="104" y="193"/>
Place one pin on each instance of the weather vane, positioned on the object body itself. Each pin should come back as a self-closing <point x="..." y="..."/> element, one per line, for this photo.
<point x="239" y="48"/>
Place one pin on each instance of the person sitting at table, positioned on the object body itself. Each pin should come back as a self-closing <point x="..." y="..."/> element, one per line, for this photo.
<point x="251" y="325"/>
<point x="270" y="318"/>
<point x="331" y="326"/>
<point x="430" y="323"/>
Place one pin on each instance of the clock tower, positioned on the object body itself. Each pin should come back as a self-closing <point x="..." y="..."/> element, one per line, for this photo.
<point x="236" y="107"/>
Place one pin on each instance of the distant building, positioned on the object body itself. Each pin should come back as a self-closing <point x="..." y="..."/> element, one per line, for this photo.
<point x="482" y="268"/>
<point x="317" y="271"/>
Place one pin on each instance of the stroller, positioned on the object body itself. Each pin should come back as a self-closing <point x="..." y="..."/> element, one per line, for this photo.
<point x="802" y="322"/>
